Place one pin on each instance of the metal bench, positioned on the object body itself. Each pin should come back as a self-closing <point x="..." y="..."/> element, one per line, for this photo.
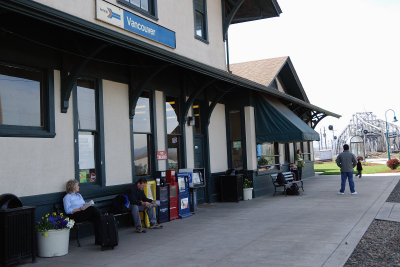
<point x="104" y="204"/>
<point x="289" y="181"/>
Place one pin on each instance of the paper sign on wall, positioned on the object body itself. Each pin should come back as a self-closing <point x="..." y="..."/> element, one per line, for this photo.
<point x="86" y="152"/>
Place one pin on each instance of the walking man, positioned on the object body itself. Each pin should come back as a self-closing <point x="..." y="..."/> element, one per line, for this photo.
<point x="346" y="162"/>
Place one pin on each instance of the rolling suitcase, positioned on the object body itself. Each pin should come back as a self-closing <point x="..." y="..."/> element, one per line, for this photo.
<point x="108" y="231"/>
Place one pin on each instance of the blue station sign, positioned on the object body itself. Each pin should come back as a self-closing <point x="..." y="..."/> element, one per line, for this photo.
<point x="130" y="22"/>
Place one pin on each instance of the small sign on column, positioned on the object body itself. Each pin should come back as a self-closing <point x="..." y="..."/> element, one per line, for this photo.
<point x="161" y="155"/>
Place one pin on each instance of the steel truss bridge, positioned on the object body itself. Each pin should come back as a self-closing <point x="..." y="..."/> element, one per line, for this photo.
<point x="366" y="134"/>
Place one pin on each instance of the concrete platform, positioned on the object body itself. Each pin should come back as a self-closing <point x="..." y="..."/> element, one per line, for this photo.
<point x="317" y="228"/>
<point x="390" y="212"/>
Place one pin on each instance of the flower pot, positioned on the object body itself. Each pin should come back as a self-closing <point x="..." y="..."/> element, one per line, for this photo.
<point x="53" y="243"/>
<point x="247" y="193"/>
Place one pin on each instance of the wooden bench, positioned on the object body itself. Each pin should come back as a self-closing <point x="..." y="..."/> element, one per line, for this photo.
<point x="104" y="204"/>
<point x="289" y="181"/>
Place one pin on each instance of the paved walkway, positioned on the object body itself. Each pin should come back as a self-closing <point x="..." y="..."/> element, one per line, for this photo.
<point x="377" y="160"/>
<point x="317" y="228"/>
<point x="390" y="212"/>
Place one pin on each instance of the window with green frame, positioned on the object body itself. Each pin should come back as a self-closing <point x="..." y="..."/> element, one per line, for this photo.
<point x="173" y="132"/>
<point x="26" y="102"/>
<point x="268" y="156"/>
<point x="88" y="143"/>
<point x="200" y="19"/>
<point x="306" y="150"/>
<point x="146" y="7"/>
<point x="142" y="135"/>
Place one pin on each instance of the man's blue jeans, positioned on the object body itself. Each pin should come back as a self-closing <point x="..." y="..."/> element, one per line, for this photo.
<point x="344" y="176"/>
<point x="136" y="217"/>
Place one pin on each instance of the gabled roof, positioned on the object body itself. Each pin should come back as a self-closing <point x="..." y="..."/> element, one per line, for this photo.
<point x="260" y="71"/>
<point x="265" y="72"/>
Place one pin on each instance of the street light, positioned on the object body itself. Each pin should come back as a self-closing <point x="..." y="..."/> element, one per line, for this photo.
<point x="387" y="131"/>
<point x="330" y="127"/>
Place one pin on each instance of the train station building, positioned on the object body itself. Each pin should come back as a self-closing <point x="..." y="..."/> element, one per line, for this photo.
<point x="110" y="91"/>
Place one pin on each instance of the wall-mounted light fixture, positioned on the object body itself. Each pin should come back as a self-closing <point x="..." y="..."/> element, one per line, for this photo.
<point x="190" y="121"/>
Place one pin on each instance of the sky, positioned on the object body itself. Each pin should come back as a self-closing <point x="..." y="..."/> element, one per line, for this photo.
<point x="345" y="52"/>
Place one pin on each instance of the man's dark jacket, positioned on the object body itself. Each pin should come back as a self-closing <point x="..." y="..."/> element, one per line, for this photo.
<point x="136" y="196"/>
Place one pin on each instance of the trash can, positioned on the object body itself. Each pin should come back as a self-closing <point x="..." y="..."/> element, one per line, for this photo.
<point x="193" y="199"/>
<point x="231" y="187"/>
<point x="17" y="231"/>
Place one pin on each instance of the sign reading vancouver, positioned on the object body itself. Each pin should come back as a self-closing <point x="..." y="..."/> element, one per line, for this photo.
<point x="126" y="20"/>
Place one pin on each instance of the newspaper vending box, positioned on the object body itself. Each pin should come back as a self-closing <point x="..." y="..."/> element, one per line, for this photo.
<point x="197" y="181"/>
<point x="173" y="195"/>
<point x="183" y="193"/>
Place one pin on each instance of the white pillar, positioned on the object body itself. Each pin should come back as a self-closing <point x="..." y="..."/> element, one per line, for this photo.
<point x="251" y="149"/>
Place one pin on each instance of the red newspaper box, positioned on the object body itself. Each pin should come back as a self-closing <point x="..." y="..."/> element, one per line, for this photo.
<point x="173" y="195"/>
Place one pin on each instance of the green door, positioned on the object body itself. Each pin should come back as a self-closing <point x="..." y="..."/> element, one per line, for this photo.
<point x="198" y="151"/>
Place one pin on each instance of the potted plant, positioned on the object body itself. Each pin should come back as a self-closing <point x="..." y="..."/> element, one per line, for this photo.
<point x="247" y="189"/>
<point x="263" y="163"/>
<point x="53" y="234"/>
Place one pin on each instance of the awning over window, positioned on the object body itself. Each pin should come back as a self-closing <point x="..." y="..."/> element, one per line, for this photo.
<point x="277" y="123"/>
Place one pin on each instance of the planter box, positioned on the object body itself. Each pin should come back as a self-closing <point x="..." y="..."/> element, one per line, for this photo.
<point x="53" y="243"/>
<point x="247" y="193"/>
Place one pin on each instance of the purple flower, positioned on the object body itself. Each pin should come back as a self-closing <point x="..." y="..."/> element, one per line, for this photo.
<point x="52" y="221"/>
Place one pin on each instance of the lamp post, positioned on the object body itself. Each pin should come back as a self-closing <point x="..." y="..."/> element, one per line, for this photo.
<point x="330" y="127"/>
<point x="387" y="131"/>
<point x="364" y="132"/>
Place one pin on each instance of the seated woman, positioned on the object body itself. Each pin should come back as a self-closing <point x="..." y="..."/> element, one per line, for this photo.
<point x="75" y="207"/>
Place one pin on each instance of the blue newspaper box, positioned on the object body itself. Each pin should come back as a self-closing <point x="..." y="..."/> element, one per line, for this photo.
<point x="196" y="181"/>
<point x="183" y="191"/>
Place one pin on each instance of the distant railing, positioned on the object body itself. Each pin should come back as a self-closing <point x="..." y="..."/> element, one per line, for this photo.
<point x="326" y="154"/>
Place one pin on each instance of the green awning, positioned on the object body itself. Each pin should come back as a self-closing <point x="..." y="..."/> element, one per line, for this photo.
<point x="277" y="123"/>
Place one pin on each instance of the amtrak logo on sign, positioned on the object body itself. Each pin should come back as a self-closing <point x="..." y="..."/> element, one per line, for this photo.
<point x="113" y="15"/>
<point x="109" y="13"/>
<point x="130" y="22"/>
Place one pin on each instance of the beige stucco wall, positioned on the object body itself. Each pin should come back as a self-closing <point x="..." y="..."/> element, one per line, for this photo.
<point x="117" y="142"/>
<point x="177" y="16"/>
<point x="32" y="166"/>
<point x="160" y="124"/>
<point x="217" y="140"/>
<point x="251" y="149"/>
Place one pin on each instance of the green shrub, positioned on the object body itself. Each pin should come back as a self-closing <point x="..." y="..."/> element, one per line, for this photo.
<point x="262" y="161"/>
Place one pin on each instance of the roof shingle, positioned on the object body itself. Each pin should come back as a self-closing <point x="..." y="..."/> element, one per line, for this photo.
<point x="260" y="71"/>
